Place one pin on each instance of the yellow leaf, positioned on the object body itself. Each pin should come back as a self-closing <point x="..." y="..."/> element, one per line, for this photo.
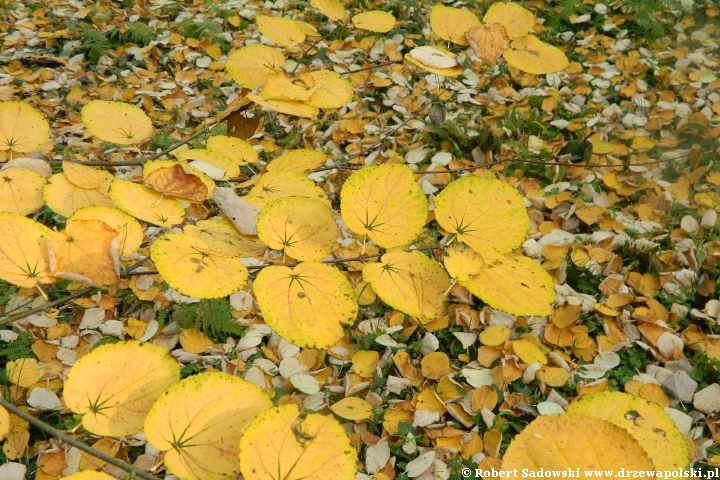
<point x="130" y="234"/>
<point x="437" y="59"/>
<point x="435" y="365"/>
<point x="23" y="372"/>
<point x="87" y="177"/>
<point x="306" y="305"/>
<point x="331" y="90"/>
<point x="333" y="9"/>
<point x="640" y="143"/>
<point x="309" y="30"/>
<point x="484" y="396"/>
<point x="189" y="266"/>
<point x="283" y="32"/>
<point x="154" y="165"/>
<point x="365" y="362"/>
<point x="515" y="285"/>
<point x="529" y="352"/>
<point x="65" y="198"/>
<point x="198" y="423"/>
<point x="23" y="251"/>
<point x="483" y="212"/>
<point x="301" y="161"/>
<point x="193" y="341"/>
<point x="21" y="191"/>
<point x="89" y="475"/>
<point x="290" y="107"/>
<point x="385" y="203"/>
<point x="238" y="150"/>
<point x="135" y="328"/>
<point x="302" y="227"/>
<point x="352" y="408"/>
<point x="494" y="335"/>
<point x="553" y="376"/>
<point x="221" y="235"/>
<point x="559" y="442"/>
<point x="516" y="20"/>
<point x="643" y="420"/>
<point x="374" y="21"/>
<point x="116" y="122"/>
<point x="146" y="204"/>
<point x="16" y="443"/>
<point x="228" y="165"/>
<point x="284" y="183"/>
<point x="462" y="263"/>
<point x="410" y="282"/>
<point x="22" y="128"/>
<point x="250" y="66"/>
<point x="175" y="182"/>
<point x="530" y="55"/>
<point x="281" y="87"/>
<point x="86" y="252"/>
<point x="601" y="148"/>
<point x="114" y="386"/>
<point x="451" y="23"/>
<point x="488" y="42"/>
<point x="4" y="422"/>
<point x="278" y="445"/>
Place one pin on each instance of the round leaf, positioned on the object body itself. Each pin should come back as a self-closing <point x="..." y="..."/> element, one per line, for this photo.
<point x="559" y="442"/>
<point x="221" y="235"/>
<point x="516" y="20"/>
<point x="333" y="9"/>
<point x="374" y="21"/>
<point x="483" y="213"/>
<point x="65" y="198"/>
<point x="384" y="203"/>
<point x="130" y="234"/>
<point x="462" y="263"/>
<point x="303" y="228"/>
<point x="250" y="66"/>
<point x="515" y="285"/>
<point x="290" y="107"/>
<point x="332" y="90"/>
<point x="451" y="23"/>
<point x="23" y="372"/>
<point x="647" y="423"/>
<point x="146" y="204"/>
<point x="283" y="32"/>
<point x="114" y="386"/>
<point x="235" y="148"/>
<point x="352" y="408"/>
<point x="410" y="282"/>
<point x="155" y="165"/>
<point x="530" y="55"/>
<point x="189" y="266"/>
<point x="21" y="191"/>
<point x="116" y="122"/>
<point x="22" y="128"/>
<point x="301" y="161"/>
<point x="306" y="305"/>
<point x="199" y="421"/>
<point x="176" y="182"/>
<point x="529" y="352"/>
<point x="87" y="177"/>
<point x="23" y="251"/>
<point x="283" y="183"/>
<point x="494" y="335"/>
<point x="280" y="445"/>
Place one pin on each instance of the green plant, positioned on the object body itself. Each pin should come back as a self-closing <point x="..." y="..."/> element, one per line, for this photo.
<point x="97" y="44"/>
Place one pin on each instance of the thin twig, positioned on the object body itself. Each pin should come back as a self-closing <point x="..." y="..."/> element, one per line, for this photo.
<point x="75" y="443"/>
<point x="304" y="54"/>
<point x="373" y="67"/>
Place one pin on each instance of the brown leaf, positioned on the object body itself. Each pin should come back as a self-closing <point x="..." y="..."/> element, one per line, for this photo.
<point x="174" y="181"/>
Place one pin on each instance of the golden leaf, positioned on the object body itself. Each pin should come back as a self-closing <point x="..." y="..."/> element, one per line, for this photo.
<point x="488" y="42"/>
<point x="303" y="228"/>
<point x="451" y="23"/>
<point x="494" y="335"/>
<point x="278" y="444"/>
<point x="22" y="128"/>
<point x="21" y="191"/>
<point x="352" y="408"/>
<point x="365" y="362"/>
<point x="410" y="282"/>
<point x="284" y="183"/>
<point x="333" y="9"/>
<point x="146" y="204"/>
<point x="87" y="177"/>
<point x="332" y="90"/>
<point x="234" y="148"/>
<point x="385" y="203"/>
<point x="250" y="66"/>
<point x="283" y="32"/>
<point x="516" y="20"/>
<point x="462" y="263"/>
<point x="116" y="122"/>
<point x="301" y="161"/>
<point x="229" y="166"/>
<point x="86" y="252"/>
<point x="290" y="107"/>
<point x="306" y="305"/>
<point x="4" y="422"/>
<point x="529" y="352"/>
<point x="374" y="21"/>
<point x="483" y="212"/>
<point x="221" y="235"/>
<point x="443" y="56"/>
<point x="194" y="341"/>
<point x="23" y="251"/>
<point x="198" y="423"/>
<point x="189" y="266"/>
<point x="530" y="55"/>
<point x="65" y="198"/>
<point x="23" y="372"/>
<point x="281" y="87"/>
<point x="114" y="386"/>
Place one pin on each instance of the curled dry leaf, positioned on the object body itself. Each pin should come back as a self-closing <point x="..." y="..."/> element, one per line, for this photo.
<point x="175" y="182"/>
<point x="436" y="56"/>
<point x="240" y="213"/>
